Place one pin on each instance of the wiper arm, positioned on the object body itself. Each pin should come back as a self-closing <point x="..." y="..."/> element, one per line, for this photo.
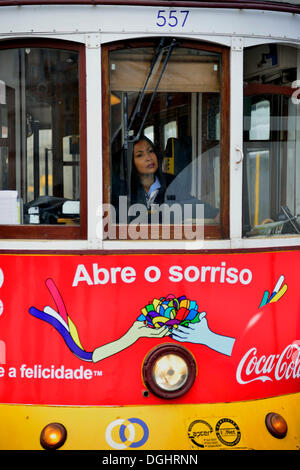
<point x="170" y="50"/>
<point x="161" y="47"/>
<point x="142" y="94"/>
<point x="127" y="127"/>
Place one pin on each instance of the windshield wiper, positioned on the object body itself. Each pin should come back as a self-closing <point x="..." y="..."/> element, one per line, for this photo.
<point x="127" y="127"/>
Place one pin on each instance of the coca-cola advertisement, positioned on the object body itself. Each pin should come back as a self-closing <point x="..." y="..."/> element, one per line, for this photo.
<point x="76" y="328"/>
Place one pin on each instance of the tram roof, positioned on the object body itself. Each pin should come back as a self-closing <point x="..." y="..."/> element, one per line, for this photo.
<point x="292" y="6"/>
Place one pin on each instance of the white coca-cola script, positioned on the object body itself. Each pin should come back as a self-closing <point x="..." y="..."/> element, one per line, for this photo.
<point x="284" y="366"/>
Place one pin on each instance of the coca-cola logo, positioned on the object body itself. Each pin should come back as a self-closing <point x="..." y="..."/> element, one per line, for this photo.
<point x="284" y="366"/>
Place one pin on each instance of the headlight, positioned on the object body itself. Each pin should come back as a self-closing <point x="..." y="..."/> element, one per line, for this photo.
<point x="169" y="371"/>
<point x="53" y="436"/>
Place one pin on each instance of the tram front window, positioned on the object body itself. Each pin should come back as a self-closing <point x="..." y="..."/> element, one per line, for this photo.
<point x="166" y="112"/>
<point x="271" y="198"/>
<point x="39" y="141"/>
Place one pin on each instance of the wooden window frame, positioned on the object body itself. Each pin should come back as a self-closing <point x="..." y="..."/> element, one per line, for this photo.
<point x="60" y="232"/>
<point x="220" y="231"/>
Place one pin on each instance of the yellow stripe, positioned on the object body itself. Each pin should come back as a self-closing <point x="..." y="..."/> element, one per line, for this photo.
<point x="279" y="294"/>
<point x="74" y="333"/>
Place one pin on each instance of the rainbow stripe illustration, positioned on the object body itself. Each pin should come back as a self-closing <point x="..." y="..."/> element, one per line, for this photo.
<point x="168" y="311"/>
<point x="62" y="322"/>
<point x="278" y="291"/>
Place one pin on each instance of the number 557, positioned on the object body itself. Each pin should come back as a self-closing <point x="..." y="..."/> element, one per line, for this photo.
<point x="174" y="18"/>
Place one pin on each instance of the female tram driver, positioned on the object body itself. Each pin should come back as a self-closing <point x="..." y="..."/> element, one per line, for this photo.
<point x="152" y="188"/>
<point x="148" y="184"/>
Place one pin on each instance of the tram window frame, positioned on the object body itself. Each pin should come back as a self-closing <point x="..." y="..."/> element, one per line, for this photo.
<point x="57" y="231"/>
<point x="217" y="231"/>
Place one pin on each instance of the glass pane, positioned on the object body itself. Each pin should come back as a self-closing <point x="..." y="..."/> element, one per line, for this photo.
<point x="170" y="130"/>
<point x="39" y="116"/>
<point x="260" y="121"/>
<point x="3" y="122"/>
<point x="3" y="168"/>
<point x="175" y="92"/>
<point x="149" y="132"/>
<point x="271" y="198"/>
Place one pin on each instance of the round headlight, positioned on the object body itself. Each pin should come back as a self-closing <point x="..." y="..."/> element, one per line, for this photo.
<point x="169" y="371"/>
<point x="53" y="436"/>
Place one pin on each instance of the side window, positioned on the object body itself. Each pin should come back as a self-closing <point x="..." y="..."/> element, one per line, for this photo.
<point x="168" y="145"/>
<point x="41" y="164"/>
<point x="271" y="198"/>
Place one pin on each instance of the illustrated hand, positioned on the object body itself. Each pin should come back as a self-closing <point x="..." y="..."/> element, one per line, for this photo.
<point x="140" y="330"/>
<point x="136" y="331"/>
<point x="200" y="333"/>
<point x="194" y="333"/>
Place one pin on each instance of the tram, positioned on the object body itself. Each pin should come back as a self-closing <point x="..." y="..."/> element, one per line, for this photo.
<point x="149" y="225"/>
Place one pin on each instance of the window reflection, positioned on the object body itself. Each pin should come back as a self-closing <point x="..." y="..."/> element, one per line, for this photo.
<point x="271" y="184"/>
<point x="171" y="95"/>
<point x="39" y="121"/>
